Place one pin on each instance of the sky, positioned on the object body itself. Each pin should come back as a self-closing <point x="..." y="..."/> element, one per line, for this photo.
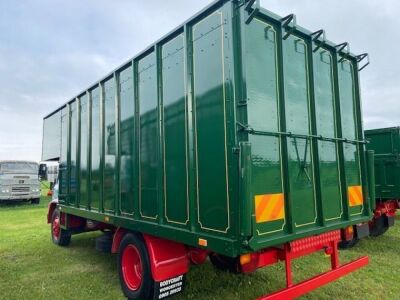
<point x="50" y="50"/>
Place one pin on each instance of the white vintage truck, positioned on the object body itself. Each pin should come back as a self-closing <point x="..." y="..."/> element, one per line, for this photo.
<point x="19" y="181"/>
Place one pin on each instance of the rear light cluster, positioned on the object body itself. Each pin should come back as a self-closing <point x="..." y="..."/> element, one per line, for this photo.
<point x="252" y="261"/>
<point x="348" y="233"/>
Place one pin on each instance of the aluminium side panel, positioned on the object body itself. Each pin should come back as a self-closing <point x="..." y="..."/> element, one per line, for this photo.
<point x="73" y="151"/>
<point x="148" y="138"/>
<point x="51" y="144"/>
<point x="95" y="149"/>
<point x="212" y="111"/>
<point x="150" y="147"/>
<point x="63" y="173"/>
<point x="175" y="144"/>
<point x="83" y="157"/>
<point x="110" y="147"/>
<point x="127" y="178"/>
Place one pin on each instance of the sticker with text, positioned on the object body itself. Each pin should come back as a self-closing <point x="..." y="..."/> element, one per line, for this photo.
<point x="169" y="287"/>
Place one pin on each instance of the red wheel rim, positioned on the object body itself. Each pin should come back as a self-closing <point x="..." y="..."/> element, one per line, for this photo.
<point x="132" y="267"/>
<point x="56" y="228"/>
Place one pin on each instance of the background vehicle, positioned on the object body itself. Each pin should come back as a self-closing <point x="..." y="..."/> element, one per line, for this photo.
<point x="19" y="181"/>
<point x="385" y="143"/>
<point x="48" y="171"/>
<point x="238" y="136"/>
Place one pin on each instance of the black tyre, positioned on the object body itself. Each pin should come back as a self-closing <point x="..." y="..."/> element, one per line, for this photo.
<point x="59" y="236"/>
<point x="343" y="245"/>
<point x="104" y="242"/>
<point x="35" y="201"/>
<point x="134" y="268"/>
<point x="377" y="226"/>
<point x="225" y="263"/>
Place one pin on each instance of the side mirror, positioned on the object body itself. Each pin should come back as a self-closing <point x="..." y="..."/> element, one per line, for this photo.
<point x="42" y="172"/>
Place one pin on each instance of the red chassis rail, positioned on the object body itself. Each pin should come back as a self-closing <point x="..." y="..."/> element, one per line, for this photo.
<point x="326" y="242"/>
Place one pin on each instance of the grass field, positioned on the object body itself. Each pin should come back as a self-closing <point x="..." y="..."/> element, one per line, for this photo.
<point x="31" y="267"/>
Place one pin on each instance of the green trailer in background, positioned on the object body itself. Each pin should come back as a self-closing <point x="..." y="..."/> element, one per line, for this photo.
<point x="238" y="136"/>
<point x="385" y="142"/>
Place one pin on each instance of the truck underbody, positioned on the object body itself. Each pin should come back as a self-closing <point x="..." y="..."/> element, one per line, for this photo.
<point x="164" y="263"/>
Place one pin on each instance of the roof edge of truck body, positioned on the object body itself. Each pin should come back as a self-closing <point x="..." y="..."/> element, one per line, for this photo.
<point x="380" y="130"/>
<point x="178" y="28"/>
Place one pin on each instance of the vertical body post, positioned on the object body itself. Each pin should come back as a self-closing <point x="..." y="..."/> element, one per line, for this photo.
<point x="89" y="149"/>
<point x="136" y="140"/>
<point x="187" y="31"/>
<point x="102" y="147"/>
<point x="78" y="152"/>
<point x="117" y="99"/>
<point x="160" y="125"/>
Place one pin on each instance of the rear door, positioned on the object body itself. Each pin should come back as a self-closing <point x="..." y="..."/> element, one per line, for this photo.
<point x="302" y="124"/>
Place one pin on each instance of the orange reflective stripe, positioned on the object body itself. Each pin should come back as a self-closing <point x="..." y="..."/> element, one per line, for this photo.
<point x="358" y="192"/>
<point x="278" y="212"/>
<point x="269" y="207"/>
<point x="352" y="202"/>
<point x="355" y="195"/>
<point x="261" y="205"/>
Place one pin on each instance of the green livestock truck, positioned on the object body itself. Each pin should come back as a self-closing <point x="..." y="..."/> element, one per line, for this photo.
<point x="385" y="143"/>
<point x="238" y="136"/>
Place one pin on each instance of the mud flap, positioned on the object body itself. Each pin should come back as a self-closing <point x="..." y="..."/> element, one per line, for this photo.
<point x="389" y="221"/>
<point x="362" y="230"/>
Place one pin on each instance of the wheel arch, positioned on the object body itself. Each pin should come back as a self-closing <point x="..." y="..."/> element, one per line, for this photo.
<point x="167" y="258"/>
<point x="51" y="208"/>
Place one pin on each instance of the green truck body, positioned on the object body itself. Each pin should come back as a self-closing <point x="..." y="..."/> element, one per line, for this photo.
<point x="236" y="132"/>
<point x="385" y="143"/>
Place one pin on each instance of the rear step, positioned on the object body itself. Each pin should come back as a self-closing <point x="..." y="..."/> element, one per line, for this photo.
<point x="302" y="247"/>
<point x="311" y="284"/>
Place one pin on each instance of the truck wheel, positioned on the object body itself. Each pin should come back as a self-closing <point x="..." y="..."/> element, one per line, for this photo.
<point x="134" y="268"/>
<point x="59" y="236"/>
<point x="104" y="242"/>
<point x="225" y="263"/>
<point x="343" y="245"/>
<point x="35" y="201"/>
<point x="377" y="226"/>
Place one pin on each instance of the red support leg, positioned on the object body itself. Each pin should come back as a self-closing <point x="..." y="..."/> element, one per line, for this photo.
<point x="288" y="266"/>
<point x="328" y="242"/>
<point x="311" y="284"/>
<point x="334" y="256"/>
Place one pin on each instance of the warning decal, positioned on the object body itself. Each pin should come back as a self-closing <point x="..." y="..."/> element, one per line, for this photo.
<point x="355" y="195"/>
<point x="269" y="207"/>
